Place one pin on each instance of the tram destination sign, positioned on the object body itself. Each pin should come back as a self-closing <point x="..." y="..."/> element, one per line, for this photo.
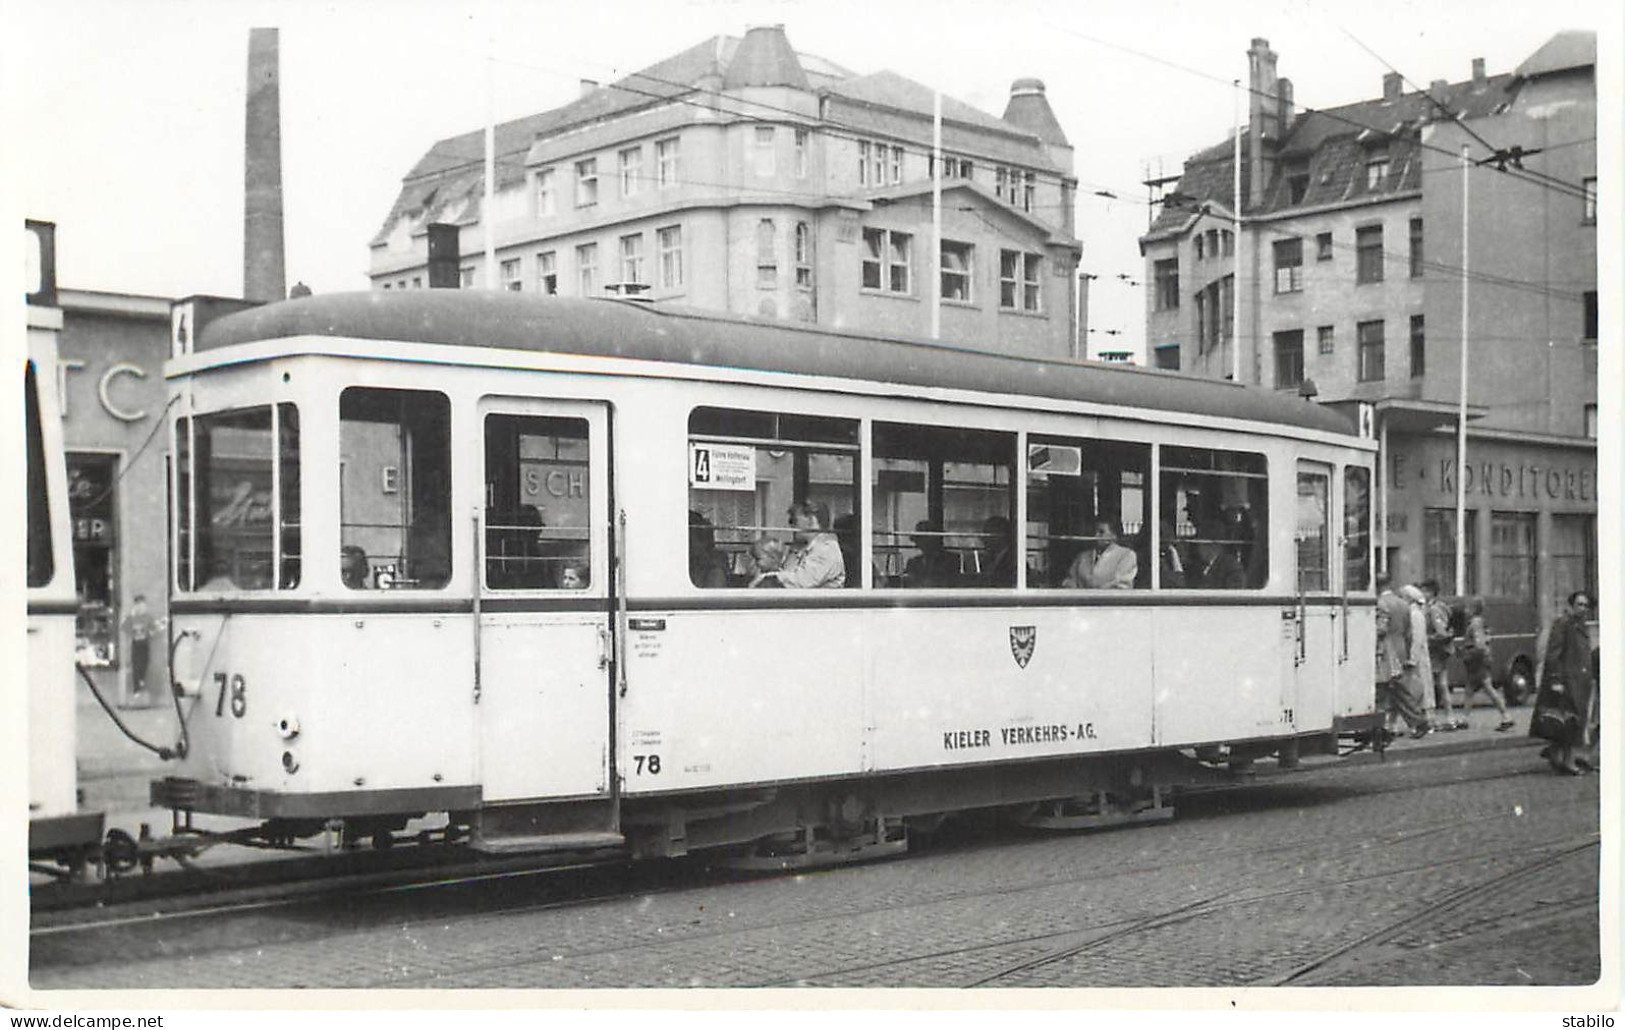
<point x="718" y="466"/>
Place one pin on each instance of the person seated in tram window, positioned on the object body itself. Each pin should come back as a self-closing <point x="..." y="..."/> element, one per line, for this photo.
<point x="816" y="560"/>
<point x="1216" y="566"/>
<point x="1170" y="561"/>
<point x="998" y="561"/>
<point x="220" y="577"/>
<point x="1107" y="566"/>
<point x="707" y="566"/>
<point x="846" y="535"/>
<point x="573" y="574"/>
<point x="934" y="566"/>
<point x="767" y="555"/>
<point x="353" y="568"/>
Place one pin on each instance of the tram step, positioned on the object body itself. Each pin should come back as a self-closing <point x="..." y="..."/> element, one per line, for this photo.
<point x="583" y="841"/>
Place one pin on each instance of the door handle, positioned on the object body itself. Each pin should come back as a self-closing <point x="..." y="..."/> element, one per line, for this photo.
<point x="606" y="645"/>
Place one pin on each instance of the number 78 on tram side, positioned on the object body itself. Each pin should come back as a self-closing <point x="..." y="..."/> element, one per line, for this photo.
<point x="597" y="573"/>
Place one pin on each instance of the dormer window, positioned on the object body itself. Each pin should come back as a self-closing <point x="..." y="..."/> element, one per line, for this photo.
<point x="1297" y="182"/>
<point x="1376" y="170"/>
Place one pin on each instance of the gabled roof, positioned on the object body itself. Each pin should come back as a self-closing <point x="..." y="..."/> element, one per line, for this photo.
<point x="1567" y="50"/>
<point x="967" y="190"/>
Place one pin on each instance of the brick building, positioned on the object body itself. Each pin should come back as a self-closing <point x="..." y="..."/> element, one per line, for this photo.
<point x="1343" y="278"/>
<point x="741" y="176"/>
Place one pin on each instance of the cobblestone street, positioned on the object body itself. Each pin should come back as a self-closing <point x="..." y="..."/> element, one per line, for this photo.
<point x="1479" y="868"/>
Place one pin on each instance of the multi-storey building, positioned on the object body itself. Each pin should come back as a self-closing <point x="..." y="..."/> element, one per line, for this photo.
<point x="1343" y="276"/>
<point x="741" y="176"/>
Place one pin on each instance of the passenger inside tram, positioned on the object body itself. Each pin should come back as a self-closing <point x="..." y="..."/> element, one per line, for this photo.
<point x="934" y="566"/>
<point x="999" y="556"/>
<point x="353" y="569"/>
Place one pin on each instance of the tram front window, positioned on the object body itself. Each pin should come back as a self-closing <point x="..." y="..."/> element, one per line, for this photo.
<point x="394" y="489"/>
<point x="1356" y="528"/>
<point x="238" y="499"/>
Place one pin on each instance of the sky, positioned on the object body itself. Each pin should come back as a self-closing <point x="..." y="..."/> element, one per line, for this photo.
<point x="123" y="121"/>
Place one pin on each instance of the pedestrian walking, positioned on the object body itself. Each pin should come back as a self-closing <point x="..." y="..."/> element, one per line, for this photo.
<point x="1419" y="674"/>
<point x="1475" y="662"/>
<point x="1395" y="658"/>
<point x="1441" y="646"/>
<point x="1563" y="706"/>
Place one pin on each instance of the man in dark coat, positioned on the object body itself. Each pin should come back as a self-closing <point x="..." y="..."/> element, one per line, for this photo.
<point x="1566" y="684"/>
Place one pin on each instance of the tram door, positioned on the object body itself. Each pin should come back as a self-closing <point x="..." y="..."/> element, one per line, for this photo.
<point x="544" y="633"/>
<point x="1310" y="685"/>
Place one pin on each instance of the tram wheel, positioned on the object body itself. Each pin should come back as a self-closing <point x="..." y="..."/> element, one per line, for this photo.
<point x="120" y="852"/>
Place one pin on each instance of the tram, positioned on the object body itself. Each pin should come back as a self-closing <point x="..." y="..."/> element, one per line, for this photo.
<point x="510" y="560"/>
<point x="62" y="838"/>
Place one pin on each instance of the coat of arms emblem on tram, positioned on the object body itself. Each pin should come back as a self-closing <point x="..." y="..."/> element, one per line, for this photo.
<point x="1022" y="641"/>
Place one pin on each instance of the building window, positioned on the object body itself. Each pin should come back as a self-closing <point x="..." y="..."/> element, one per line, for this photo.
<point x="762" y="152"/>
<point x="877" y="165"/>
<point x="1326" y="338"/>
<point x="510" y="275"/>
<point x="801" y="153"/>
<point x="1166" y="275"/>
<point x="863" y="162"/>
<point x="1368" y="251"/>
<point x="1201" y="250"/>
<point x="1588" y="209"/>
<point x="1376" y="171"/>
<point x="896" y="165"/>
<point x="1215" y="313"/>
<point x="1439" y="550"/>
<point x="547" y="273"/>
<point x="587" y="182"/>
<point x="887" y="260"/>
<point x="1416" y="248"/>
<point x="1019" y="280"/>
<point x="632" y="258"/>
<point x="1289" y="266"/>
<point x="1167" y="356"/>
<point x="631" y="167"/>
<point x="1229" y="240"/>
<point x="1589" y="332"/>
<point x="1297" y="183"/>
<point x="670" y="241"/>
<point x="1574" y="556"/>
<point x="465" y="277"/>
<point x="1512" y="555"/>
<point x="1289" y="358"/>
<point x="1014" y="186"/>
<point x="546" y="197"/>
<point x="1591" y="421"/>
<point x="1371" y="351"/>
<point x="1323" y="246"/>
<point x="1418" y="347"/>
<point x="956" y="271"/>
<point x="587" y="269"/>
<point x="767" y="254"/>
<point x="1028" y="190"/>
<point x="804" y="256"/>
<point x="417" y="282"/>
<point x="666" y="162"/>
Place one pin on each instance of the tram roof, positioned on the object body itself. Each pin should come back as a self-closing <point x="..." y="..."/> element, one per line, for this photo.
<point x="651" y="332"/>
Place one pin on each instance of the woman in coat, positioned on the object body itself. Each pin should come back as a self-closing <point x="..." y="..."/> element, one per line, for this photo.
<point x="1567" y="686"/>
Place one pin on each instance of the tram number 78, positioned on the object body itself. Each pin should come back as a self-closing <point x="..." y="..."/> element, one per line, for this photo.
<point x="649" y="762"/>
<point x="239" y="695"/>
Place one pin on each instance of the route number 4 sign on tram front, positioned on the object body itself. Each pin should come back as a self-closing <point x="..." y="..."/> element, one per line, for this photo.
<point x="716" y="466"/>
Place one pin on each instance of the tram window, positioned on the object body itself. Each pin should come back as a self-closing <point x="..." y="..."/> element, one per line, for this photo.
<point x="1313" y="531"/>
<point x="239" y="499"/>
<point x="41" y="563"/>
<point x="1218" y="505"/>
<point x="537" y="503"/>
<point x="1356" y="528"/>
<point x="1073" y="486"/>
<point x="944" y="507"/>
<point x="395" y="488"/>
<point x="746" y="469"/>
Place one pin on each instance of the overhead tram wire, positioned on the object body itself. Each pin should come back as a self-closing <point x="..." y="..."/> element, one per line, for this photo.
<point x="1548" y="183"/>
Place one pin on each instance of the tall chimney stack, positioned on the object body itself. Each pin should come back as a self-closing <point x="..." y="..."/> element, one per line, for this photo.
<point x="263" y="276"/>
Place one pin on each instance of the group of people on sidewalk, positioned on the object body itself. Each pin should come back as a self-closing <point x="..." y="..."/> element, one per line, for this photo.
<point x="1417" y="634"/>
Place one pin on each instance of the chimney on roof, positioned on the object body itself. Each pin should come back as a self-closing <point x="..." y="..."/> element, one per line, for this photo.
<point x="1263" y="118"/>
<point x="1478" y="72"/>
<point x="1284" y="106"/>
<point x="1393" y="84"/>
<point x="263" y="276"/>
<point x="1438" y="89"/>
<point x="589" y="87"/>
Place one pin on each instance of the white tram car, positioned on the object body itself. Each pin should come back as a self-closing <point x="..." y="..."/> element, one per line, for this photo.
<point x="489" y="555"/>
<point x="61" y="837"/>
